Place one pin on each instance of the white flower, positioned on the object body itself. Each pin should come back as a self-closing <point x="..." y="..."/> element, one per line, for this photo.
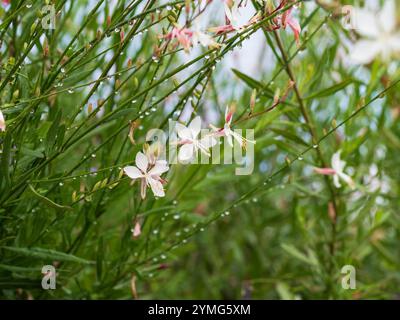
<point x="149" y="175"/>
<point x="228" y="132"/>
<point x="379" y="32"/>
<point x="337" y="171"/>
<point x="2" y="122"/>
<point x="338" y="165"/>
<point x="190" y="141"/>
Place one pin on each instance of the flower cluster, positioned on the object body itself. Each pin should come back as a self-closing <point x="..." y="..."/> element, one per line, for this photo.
<point x="149" y="167"/>
<point x="188" y="38"/>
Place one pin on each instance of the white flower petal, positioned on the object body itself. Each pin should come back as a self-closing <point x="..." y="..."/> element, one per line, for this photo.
<point x="336" y="181"/>
<point x="2" y="122"/>
<point x="394" y="43"/>
<point x="387" y="17"/>
<point x="337" y="164"/>
<point x="141" y="161"/>
<point x="195" y="126"/>
<point x="159" y="168"/>
<point x="238" y="138"/>
<point x="157" y="187"/>
<point x="365" y="51"/>
<point x="229" y="139"/>
<point x="346" y="178"/>
<point x="208" y="142"/>
<point x="143" y="187"/>
<point x="367" y="24"/>
<point x="186" y="152"/>
<point x="183" y="132"/>
<point x="133" y="172"/>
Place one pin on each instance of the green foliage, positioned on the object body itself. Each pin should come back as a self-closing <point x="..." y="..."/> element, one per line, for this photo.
<point x="70" y="97"/>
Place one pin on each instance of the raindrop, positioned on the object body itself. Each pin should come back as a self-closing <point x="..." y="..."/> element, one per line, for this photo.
<point x="62" y="70"/>
<point x="61" y="184"/>
<point x="29" y="5"/>
<point x="70" y="91"/>
<point x="176" y="216"/>
<point x="300" y="158"/>
<point x="315" y="146"/>
<point x="227" y="213"/>
<point x="93" y="155"/>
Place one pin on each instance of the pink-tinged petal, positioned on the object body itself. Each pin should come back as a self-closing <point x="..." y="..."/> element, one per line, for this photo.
<point x="295" y="26"/>
<point x="222" y="29"/>
<point x="228" y="115"/>
<point x="157" y="187"/>
<point x="186" y="152"/>
<point x="143" y="187"/>
<point x="137" y="230"/>
<point x="6" y="2"/>
<point x="159" y="168"/>
<point x="133" y="172"/>
<point x="325" y="171"/>
<point x="141" y="162"/>
<point x="195" y="126"/>
<point x="2" y="122"/>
